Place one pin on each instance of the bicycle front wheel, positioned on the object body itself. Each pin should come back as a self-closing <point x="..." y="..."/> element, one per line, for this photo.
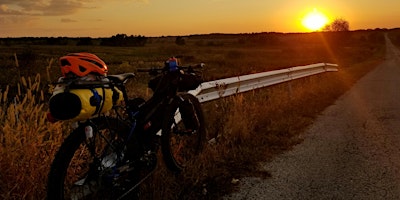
<point x="86" y="166"/>
<point x="183" y="131"/>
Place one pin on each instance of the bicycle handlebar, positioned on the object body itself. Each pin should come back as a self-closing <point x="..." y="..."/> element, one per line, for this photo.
<point x="189" y="68"/>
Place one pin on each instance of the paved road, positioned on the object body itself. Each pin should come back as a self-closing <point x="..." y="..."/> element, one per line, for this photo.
<point x="352" y="151"/>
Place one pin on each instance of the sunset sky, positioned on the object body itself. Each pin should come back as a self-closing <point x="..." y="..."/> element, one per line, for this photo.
<point x="104" y="18"/>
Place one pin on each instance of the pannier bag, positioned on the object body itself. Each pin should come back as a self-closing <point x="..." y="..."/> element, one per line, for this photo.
<point x="82" y="103"/>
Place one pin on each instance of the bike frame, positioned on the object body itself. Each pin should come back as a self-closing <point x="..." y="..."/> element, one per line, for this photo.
<point x="147" y="120"/>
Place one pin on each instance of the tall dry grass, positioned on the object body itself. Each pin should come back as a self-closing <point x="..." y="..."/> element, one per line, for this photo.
<point x="28" y="142"/>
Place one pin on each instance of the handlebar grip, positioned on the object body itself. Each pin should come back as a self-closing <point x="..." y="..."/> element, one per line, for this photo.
<point x="200" y="65"/>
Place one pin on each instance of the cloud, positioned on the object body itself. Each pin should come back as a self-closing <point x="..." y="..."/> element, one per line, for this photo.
<point x="61" y="7"/>
<point x="5" y="10"/>
<point x="49" y="7"/>
<point x="23" y="11"/>
<point x="142" y="1"/>
<point x="66" y="20"/>
<point x="42" y="7"/>
<point x="15" y="20"/>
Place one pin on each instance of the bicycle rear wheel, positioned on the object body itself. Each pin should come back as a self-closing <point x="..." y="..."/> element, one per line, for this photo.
<point x="183" y="134"/>
<point x="89" y="167"/>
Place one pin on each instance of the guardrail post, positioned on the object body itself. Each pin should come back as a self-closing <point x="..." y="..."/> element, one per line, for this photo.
<point x="290" y="91"/>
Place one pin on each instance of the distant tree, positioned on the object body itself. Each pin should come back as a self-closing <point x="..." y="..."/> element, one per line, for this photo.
<point x="338" y="24"/>
<point x="84" y="41"/>
<point x="337" y="32"/>
<point x="52" y="41"/>
<point x="180" y="40"/>
<point x="124" y="40"/>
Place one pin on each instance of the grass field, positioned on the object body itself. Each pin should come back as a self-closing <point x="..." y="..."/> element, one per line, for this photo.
<point x="274" y="116"/>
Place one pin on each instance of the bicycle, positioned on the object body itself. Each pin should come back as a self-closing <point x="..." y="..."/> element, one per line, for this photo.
<point x="109" y="155"/>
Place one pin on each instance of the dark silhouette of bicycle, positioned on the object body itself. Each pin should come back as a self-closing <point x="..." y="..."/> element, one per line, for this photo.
<point x="109" y="155"/>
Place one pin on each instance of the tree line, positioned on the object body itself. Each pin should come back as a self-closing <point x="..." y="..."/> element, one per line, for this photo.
<point x="116" y="40"/>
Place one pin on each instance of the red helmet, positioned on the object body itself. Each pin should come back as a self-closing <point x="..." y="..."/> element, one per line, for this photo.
<point x="82" y="64"/>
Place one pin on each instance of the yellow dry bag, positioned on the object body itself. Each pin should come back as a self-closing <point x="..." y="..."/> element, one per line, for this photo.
<point x="82" y="104"/>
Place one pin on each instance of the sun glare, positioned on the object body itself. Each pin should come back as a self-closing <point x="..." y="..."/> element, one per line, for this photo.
<point x="314" y="20"/>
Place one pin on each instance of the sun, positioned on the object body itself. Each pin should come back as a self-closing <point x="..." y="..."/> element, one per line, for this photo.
<point x="314" y="20"/>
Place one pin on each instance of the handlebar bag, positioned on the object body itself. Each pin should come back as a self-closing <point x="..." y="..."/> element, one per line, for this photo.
<point x="184" y="82"/>
<point x="189" y="82"/>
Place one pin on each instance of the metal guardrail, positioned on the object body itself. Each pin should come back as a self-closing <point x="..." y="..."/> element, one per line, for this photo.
<point x="212" y="90"/>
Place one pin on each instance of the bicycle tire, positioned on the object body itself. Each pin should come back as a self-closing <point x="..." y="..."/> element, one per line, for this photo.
<point x="176" y="135"/>
<point x="74" y="162"/>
